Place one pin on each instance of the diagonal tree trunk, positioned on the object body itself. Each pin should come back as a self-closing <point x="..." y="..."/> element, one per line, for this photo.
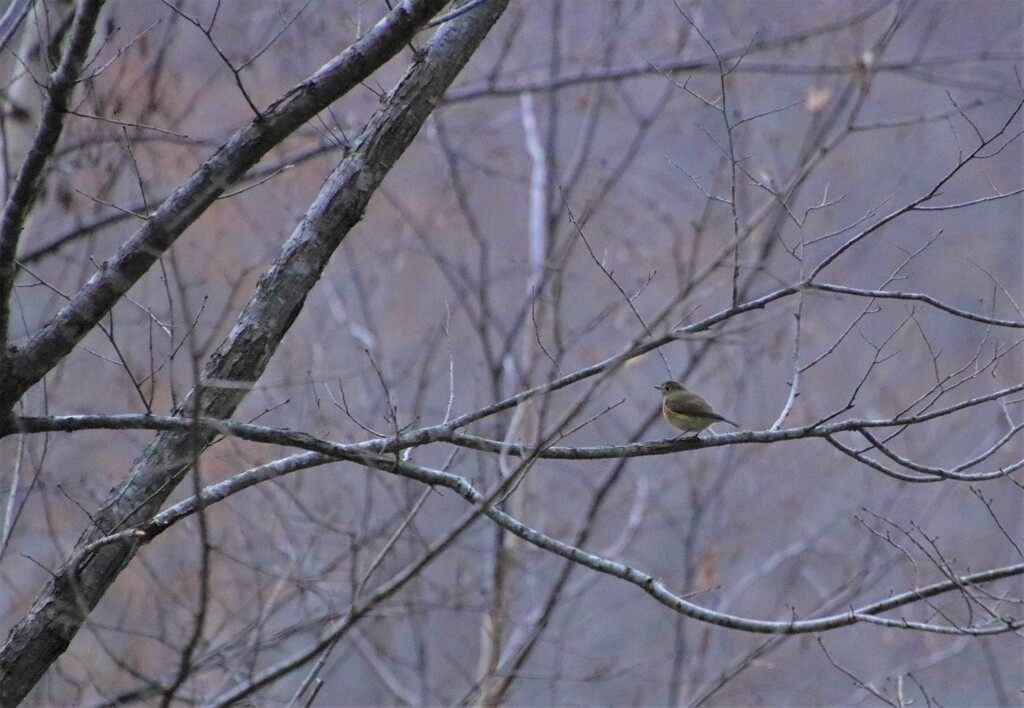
<point x="74" y="589"/>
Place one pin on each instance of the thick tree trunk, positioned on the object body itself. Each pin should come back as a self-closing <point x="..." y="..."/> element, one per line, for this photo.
<point x="75" y="589"/>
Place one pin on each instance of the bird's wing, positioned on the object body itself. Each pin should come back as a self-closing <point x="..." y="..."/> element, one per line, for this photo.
<point x="690" y="404"/>
<point x="686" y="403"/>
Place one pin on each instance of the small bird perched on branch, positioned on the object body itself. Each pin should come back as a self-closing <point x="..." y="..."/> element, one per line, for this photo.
<point x="686" y="410"/>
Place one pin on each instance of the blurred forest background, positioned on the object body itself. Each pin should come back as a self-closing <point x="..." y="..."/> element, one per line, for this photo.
<point x="810" y="212"/>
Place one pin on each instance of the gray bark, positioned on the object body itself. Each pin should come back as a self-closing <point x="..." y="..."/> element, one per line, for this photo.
<point x="74" y="589"/>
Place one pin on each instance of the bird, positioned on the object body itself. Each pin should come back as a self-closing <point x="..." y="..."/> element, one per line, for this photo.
<point x="686" y="410"/>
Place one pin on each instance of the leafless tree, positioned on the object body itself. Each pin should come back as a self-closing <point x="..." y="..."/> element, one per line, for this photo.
<point x="358" y="382"/>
